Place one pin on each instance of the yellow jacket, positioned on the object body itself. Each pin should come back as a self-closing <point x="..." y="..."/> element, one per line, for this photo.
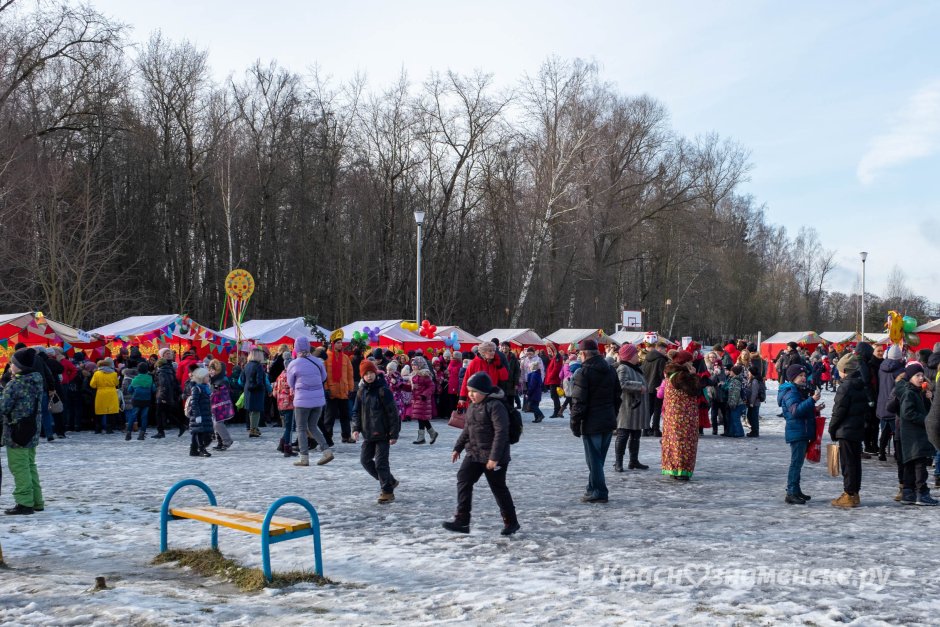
<point x="106" y="398"/>
<point x="344" y="387"/>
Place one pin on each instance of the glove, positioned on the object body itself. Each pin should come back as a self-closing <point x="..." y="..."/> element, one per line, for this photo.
<point x="461" y="406"/>
<point x="576" y="429"/>
<point x="326" y="393"/>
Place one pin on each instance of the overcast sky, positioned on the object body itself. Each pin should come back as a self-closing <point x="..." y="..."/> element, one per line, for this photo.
<point x="838" y="102"/>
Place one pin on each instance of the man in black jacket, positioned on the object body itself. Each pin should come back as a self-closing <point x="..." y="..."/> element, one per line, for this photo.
<point x="595" y="401"/>
<point x="847" y="427"/>
<point x="515" y="369"/>
<point x="653" y="367"/>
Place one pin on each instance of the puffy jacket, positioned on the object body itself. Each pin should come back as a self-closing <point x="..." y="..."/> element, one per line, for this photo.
<point x="887" y="373"/>
<point x="913" y="416"/>
<point x="168" y="387"/>
<point x="141" y="390"/>
<point x="798" y="412"/>
<point x="485" y="435"/>
<point x="342" y="384"/>
<point x="282" y="392"/>
<point x="200" y="409"/>
<point x="422" y="395"/>
<point x="553" y="371"/>
<point x="634" y="401"/>
<point x="105" y="382"/>
<point x="533" y="389"/>
<point x="19" y="409"/>
<point x="653" y="367"/>
<point x="375" y="414"/>
<point x="305" y="376"/>
<point x="453" y="376"/>
<point x="595" y="397"/>
<point x="254" y="381"/>
<point x="495" y="369"/>
<point x="849" y="410"/>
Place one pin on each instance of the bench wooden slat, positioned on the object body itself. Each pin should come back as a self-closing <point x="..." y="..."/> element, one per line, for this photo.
<point x="249" y="522"/>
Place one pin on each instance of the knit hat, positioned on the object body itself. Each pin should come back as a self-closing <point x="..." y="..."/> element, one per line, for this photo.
<point x="366" y="366"/>
<point x="199" y="375"/>
<point x="682" y="358"/>
<point x="913" y="368"/>
<point x="848" y="364"/>
<point x="480" y="382"/>
<point x="627" y="352"/>
<point x="302" y="344"/>
<point x="391" y="366"/>
<point x="587" y="345"/>
<point x="795" y="370"/>
<point x="162" y="353"/>
<point x="895" y="352"/>
<point x="89" y="366"/>
<point x="24" y="358"/>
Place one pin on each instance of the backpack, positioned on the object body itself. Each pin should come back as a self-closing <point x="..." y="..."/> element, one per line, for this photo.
<point x="515" y="425"/>
<point x="221" y="402"/>
<point x="762" y="392"/>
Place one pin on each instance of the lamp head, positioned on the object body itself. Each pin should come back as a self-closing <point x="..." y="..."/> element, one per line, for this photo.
<point x="419" y="217"/>
<point x="864" y="256"/>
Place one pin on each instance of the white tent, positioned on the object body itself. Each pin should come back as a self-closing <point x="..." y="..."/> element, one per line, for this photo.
<point x="929" y="327"/>
<point x="839" y="337"/>
<point x="878" y="338"/>
<point x="39" y="329"/>
<point x="785" y="337"/>
<point x="140" y="325"/>
<point x="520" y="337"/>
<point x="358" y="325"/>
<point x="564" y="337"/>
<point x="275" y="331"/>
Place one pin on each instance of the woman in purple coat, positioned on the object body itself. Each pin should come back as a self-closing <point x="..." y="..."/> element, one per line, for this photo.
<point x="305" y="376"/>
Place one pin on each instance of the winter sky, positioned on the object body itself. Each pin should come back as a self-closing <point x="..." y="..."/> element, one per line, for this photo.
<point x="838" y="102"/>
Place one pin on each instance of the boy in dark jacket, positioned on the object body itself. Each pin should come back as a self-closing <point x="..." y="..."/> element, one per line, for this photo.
<point x="485" y="438"/>
<point x="199" y="412"/>
<point x="847" y="427"/>
<point x="168" y="395"/>
<point x="797" y="405"/>
<point x="20" y="414"/>
<point x="140" y="392"/>
<point x="533" y="386"/>
<point x="375" y="416"/>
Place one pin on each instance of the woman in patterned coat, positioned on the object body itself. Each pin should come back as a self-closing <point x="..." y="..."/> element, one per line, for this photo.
<point x="680" y="417"/>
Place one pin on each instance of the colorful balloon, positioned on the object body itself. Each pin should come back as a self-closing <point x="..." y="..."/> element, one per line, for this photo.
<point x="911" y="339"/>
<point x="910" y="323"/>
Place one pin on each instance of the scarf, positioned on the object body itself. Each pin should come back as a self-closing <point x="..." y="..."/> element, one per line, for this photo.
<point x="336" y="371"/>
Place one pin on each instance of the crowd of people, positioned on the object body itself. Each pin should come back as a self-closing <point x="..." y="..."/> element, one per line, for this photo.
<point x="883" y="401"/>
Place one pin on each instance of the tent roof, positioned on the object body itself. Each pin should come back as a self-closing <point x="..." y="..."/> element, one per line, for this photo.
<point x="135" y="325"/>
<point x="525" y="337"/>
<point x="633" y="337"/>
<point x="784" y="337"/>
<point x="46" y="331"/>
<point x="358" y="325"/>
<point x="573" y="336"/>
<point x="462" y="336"/>
<point x="878" y="338"/>
<point x="398" y="334"/>
<point x="271" y="331"/>
<point x="839" y="337"/>
<point x="930" y="327"/>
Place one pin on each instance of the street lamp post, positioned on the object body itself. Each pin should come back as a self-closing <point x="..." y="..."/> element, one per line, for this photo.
<point x="419" y="220"/>
<point x="864" y="256"/>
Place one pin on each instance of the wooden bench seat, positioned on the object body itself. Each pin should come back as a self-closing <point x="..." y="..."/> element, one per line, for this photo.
<point x="249" y="522"/>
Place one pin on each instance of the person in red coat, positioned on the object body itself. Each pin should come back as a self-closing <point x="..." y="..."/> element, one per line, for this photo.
<point x="553" y="376"/>
<point x="422" y="399"/>
<point x="486" y="361"/>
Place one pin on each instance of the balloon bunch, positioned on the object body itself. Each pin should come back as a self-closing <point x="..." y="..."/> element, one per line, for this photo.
<point x="427" y="330"/>
<point x="901" y="328"/>
<point x="410" y="326"/>
<point x="452" y="341"/>
<point x="360" y="338"/>
<point x="372" y="334"/>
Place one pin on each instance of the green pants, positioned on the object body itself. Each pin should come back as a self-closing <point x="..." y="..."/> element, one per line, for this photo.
<point x="27" y="491"/>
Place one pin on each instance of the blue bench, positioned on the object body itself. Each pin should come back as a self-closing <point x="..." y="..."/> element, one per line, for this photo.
<point x="271" y="528"/>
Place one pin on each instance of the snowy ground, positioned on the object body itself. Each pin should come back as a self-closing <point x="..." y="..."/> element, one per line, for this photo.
<point x="722" y="549"/>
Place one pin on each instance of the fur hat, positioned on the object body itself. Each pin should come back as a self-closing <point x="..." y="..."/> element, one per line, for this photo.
<point x="480" y="382"/>
<point x="302" y="344"/>
<point x="682" y="358"/>
<point x="24" y="358"/>
<point x="913" y="368"/>
<point x="391" y="366"/>
<point x="627" y="352"/>
<point x="366" y="366"/>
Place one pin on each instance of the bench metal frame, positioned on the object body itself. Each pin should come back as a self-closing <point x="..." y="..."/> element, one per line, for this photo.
<point x="266" y="538"/>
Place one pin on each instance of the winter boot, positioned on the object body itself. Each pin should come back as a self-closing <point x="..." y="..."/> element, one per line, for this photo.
<point x="510" y="524"/>
<point x="386" y="497"/>
<point x="805" y="497"/>
<point x="326" y="458"/>
<point x="204" y="453"/>
<point x="160" y="434"/>
<point x="900" y="494"/>
<point x="634" y="446"/>
<point x="142" y="435"/>
<point x="127" y="436"/>
<point x="908" y="497"/>
<point x="254" y="433"/>
<point x="793" y="499"/>
<point x="845" y="501"/>
<point x="303" y="461"/>
<point x="433" y="434"/>
<point x="620" y="447"/>
<point x="420" y="438"/>
<point x="460" y="524"/>
<point x="19" y="510"/>
<point x="936" y="481"/>
<point x="925" y="499"/>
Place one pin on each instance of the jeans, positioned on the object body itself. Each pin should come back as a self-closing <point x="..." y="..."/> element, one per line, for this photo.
<point x="797" y="457"/>
<point x="287" y="417"/>
<point x="47" y="420"/>
<point x="307" y="419"/>
<point x="936" y="463"/>
<point x="556" y="402"/>
<point x="374" y="458"/>
<point x="595" y="454"/>
<point x="26" y="491"/>
<point x="915" y="475"/>
<point x="537" y="413"/>
<point x="735" y="428"/>
<point x="469" y="473"/>
<point x="131" y="413"/>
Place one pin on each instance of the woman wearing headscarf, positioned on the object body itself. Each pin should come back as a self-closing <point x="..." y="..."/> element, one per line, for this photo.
<point x="634" y="408"/>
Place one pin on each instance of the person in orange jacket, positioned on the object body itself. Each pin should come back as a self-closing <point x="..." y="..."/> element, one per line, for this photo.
<point x="339" y="387"/>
